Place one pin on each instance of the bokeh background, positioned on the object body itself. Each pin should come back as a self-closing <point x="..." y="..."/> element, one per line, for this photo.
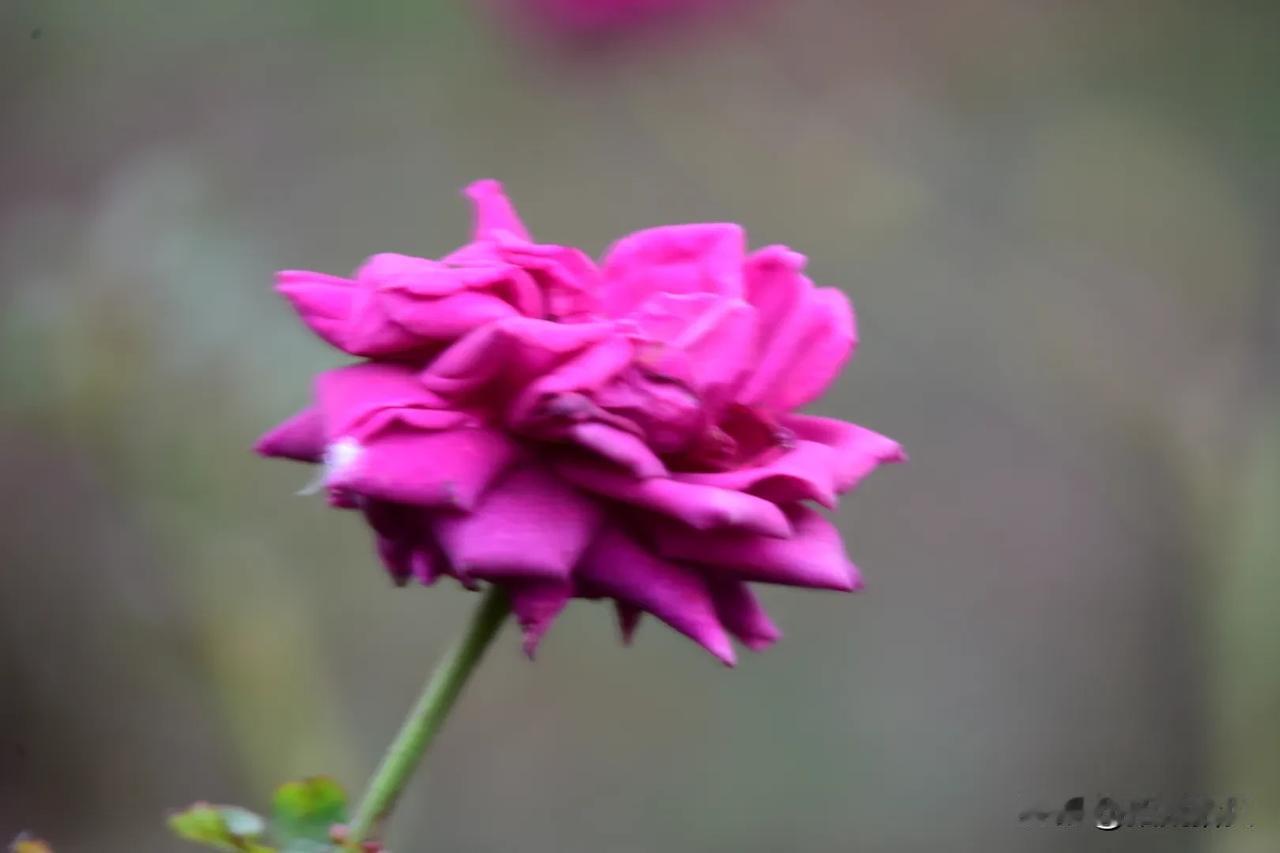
<point x="1057" y="221"/>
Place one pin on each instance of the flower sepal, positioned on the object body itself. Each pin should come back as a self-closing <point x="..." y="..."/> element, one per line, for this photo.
<point x="307" y="816"/>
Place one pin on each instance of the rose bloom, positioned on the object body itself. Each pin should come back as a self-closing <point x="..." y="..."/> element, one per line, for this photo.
<point x="627" y="430"/>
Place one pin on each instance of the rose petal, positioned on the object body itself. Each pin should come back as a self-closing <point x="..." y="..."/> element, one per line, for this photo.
<point x="617" y="566"/>
<point x="810" y="335"/>
<point x="805" y="472"/>
<point x="742" y="614"/>
<point x="813" y="557"/>
<point x="494" y="212"/>
<point x="536" y="605"/>
<point x="300" y="437"/>
<point x="440" y="469"/>
<point x="621" y="448"/>
<point x="628" y="620"/>
<point x="323" y="302"/>
<point x="858" y="450"/>
<point x="703" y="258"/>
<point x="360" y="399"/>
<point x="700" y="507"/>
<point x="514" y="350"/>
<point x="528" y="524"/>
<point x="717" y="335"/>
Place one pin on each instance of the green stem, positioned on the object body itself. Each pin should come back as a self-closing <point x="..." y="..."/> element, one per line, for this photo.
<point x="427" y="716"/>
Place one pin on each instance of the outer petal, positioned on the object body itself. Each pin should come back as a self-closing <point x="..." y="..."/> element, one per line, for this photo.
<point x="411" y="289"/>
<point x="360" y="399"/>
<point x="528" y="525"/>
<point x="449" y="469"/>
<point x="717" y="335"/>
<point x="813" y="557"/>
<point x="494" y="212"/>
<point x="628" y="620"/>
<point x="858" y="450"/>
<point x="514" y="351"/>
<point x="809" y="340"/>
<point x="742" y="615"/>
<point x="807" y="471"/>
<point x="324" y="302"/>
<point x="700" y="507"/>
<point x="619" y="447"/>
<point x="403" y="538"/>
<point x="618" y="566"/>
<point x="301" y="437"/>
<point x="673" y="259"/>
<point x="536" y="605"/>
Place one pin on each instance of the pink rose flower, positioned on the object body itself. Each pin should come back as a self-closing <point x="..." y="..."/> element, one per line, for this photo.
<point x="626" y="431"/>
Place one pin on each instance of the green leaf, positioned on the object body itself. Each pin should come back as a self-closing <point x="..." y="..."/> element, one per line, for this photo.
<point x="303" y="812"/>
<point x="221" y="827"/>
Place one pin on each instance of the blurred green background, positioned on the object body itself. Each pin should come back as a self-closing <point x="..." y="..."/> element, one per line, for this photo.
<point x="1058" y="223"/>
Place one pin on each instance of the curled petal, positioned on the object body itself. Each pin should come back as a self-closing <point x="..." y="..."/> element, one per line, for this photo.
<point x="325" y="303"/>
<point x="586" y="371"/>
<point x="617" y="566"/>
<point x="628" y="620"/>
<point x="359" y="400"/>
<point x="700" y="507"/>
<point x="301" y="437"/>
<point x="494" y="212"/>
<point x="536" y="605"/>
<point x="857" y="450"/>
<point x="448" y="469"/>
<point x="420" y="294"/>
<point x="403" y="539"/>
<point x="716" y="335"/>
<point x="569" y="279"/>
<point x="813" y="557"/>
<point x="742" y="615"/>
<point x="620" y="447"/>
<point x="529" y="524"/>
<point x="514" y="351"/>
<point x="805" y="472"/>
<point x="810" y="335"/>
<point x="703" y="258"/>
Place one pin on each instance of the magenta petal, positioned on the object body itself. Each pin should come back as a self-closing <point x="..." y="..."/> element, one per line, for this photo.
<point x="494" y="212"/>
<point x="416" y="292"/>
<point x="813" y="557"/>
<point x="403" y="538"/>
<point x="621" y="448"/>
<point x="716" y="334"/>
<point x="585" y="371"/>
<point x="447" y="318"/>
<point x="324" y="302"/>
<point x="515" y="350"/>
<point x="742" y="614"/>
<point x="355" y="399"/>
<point x="804" y="348"/>
<point x="858" y="450"/>
<point x="619" y="567"/>
<point x="805" y="472"/>
<point x="301" y="437"/>
<point x="439" y="469"/>
<point x="568" y="277"/>
<point x="536" y="605"/>
<point x="698" y="506"/>
<point x="703" y="258"/>
<point x="628" y="620"/>
<point x="529" y="524"/>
